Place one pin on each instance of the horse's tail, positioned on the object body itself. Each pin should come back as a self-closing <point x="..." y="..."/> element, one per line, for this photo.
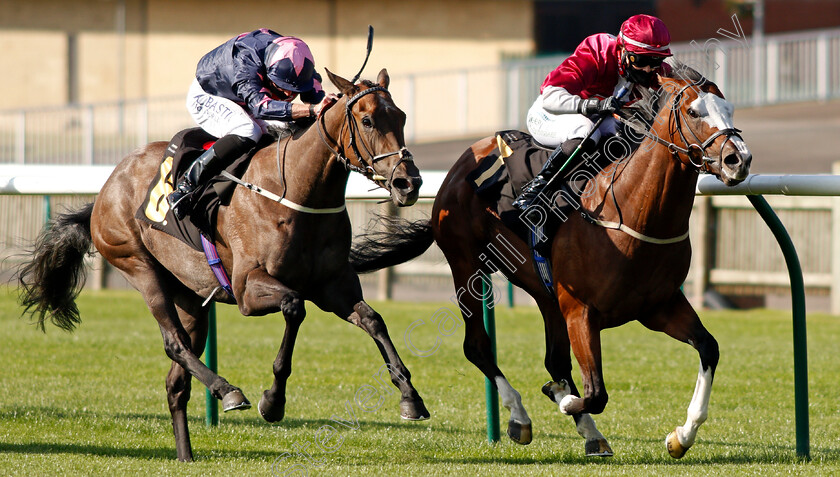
<point x="400" y="241"/>
<point x="53" y="278"/>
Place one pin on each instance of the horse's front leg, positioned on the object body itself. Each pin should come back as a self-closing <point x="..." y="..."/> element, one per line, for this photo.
<point x="343" y="296"/>
<point x="585" y="338"/>
<point x="679" y="320"/>
<point x="559" y="366"/>
<point x="265" y="294"/>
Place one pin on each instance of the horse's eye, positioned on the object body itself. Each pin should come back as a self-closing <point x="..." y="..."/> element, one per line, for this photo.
<point x="693" y="113"/>
<point x="366" y="122"/>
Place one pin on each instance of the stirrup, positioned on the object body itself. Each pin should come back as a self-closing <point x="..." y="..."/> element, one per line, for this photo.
<point x="180" y="200"/>
<point x="529" y="193"/>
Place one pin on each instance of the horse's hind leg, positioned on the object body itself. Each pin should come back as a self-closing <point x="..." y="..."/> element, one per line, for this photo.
<point x="477" y="349"/>
<point x="559" y="366"/>
<point x="179" y="381"/>
<point x="343" y="296"/>
<point x="679" y="320"/>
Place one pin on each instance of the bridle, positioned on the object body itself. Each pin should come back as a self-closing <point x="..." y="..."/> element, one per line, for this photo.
<point x="352" y="125"/>
<point x="698" y="145"/>
<point x="703" y="165"/>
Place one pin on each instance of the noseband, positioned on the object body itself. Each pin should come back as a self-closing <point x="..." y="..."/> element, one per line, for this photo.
<point x="352" y="125"/>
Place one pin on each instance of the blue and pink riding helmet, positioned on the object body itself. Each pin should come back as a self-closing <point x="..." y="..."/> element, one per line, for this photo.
<point x="290" y="65"/>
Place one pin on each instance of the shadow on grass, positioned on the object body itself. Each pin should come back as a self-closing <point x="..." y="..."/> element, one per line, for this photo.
<point x="165" y="454"/>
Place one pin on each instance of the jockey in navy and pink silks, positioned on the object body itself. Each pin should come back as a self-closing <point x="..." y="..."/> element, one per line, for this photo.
<point x="584" y="85"/>
<point x="241" y="89"/>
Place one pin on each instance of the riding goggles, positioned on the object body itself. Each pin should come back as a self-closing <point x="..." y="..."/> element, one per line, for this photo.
<point x="645" y="60"/>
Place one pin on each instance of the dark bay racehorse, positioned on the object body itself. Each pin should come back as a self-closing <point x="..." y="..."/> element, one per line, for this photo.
<point x="628" y="267"/>
<point x="277" y="255"/>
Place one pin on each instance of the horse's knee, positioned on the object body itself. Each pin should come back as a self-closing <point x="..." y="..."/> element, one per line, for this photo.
<point x="596" y="402"/>
<point x="175" y="345"/>
<point x="370" y="320"/>
<point x="178" y="386"/>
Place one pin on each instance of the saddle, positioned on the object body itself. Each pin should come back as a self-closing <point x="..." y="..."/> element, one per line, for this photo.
<point x="500" y="176"/>
<point x="182" y="150"/>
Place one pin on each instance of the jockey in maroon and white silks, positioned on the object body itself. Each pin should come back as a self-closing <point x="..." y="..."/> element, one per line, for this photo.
<point x="243" y="88"/>
<point x="583" y="88"/>
<point x="597" y="69"/>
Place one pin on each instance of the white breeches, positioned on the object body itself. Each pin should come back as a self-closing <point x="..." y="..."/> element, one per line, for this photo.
<point x="551" y="130"/>
<point x="220" y="116"/>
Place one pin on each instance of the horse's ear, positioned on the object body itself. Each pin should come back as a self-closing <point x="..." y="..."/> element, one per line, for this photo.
<point x="342" y="84"/>
<point x="383" y="79"/>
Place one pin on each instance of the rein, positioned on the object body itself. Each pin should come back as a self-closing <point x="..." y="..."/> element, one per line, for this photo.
<point x="352" y="125"/>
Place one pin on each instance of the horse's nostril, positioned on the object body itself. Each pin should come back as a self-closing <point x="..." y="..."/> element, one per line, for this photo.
<point x="401" y="184"/>
<point x="732" y="161"/>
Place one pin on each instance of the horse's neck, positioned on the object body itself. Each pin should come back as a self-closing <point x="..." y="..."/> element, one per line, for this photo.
<point x="308" y="171"/>
<point x="654" y="190"/>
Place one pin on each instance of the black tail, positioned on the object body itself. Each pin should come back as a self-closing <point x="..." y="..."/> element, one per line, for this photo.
<point x="400" y="241"/>
<point x="51" y="281"/>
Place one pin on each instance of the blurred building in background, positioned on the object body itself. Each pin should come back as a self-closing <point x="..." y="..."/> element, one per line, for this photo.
<point x="59" y="52"/>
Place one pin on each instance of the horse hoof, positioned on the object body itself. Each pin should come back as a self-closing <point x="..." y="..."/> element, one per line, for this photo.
<point x="414" y="410"/>
<point x="598" y="448"/>
<point x="675" y="449"/>
<point x="270" y="411"/>
<point x="234" y="401"/>
<point x="519" y="433"/>
<point x="546" y="389"/>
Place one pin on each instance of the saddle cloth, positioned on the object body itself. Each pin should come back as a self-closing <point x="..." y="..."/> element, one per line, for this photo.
<point x="185" y="147"/>
<point x="501" y="175"/>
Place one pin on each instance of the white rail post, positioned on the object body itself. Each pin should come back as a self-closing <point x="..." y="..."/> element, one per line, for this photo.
<point x="700" y="259"/>
<point x="822" y="68"/>
<point x="462" y="114"/>
<point x="410" y="110"/>
<point x="20" y="139"/>
<point x="87" y="139"/>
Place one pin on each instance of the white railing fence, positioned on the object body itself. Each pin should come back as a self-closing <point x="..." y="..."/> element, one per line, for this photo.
<point x="734" y="252"/>
<point x="439" y="105"/>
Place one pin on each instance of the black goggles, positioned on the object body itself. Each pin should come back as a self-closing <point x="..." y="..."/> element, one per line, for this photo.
<point x="644" y="60"/>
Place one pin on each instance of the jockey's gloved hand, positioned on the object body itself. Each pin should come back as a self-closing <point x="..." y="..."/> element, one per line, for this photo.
<point x="591" y="106"/>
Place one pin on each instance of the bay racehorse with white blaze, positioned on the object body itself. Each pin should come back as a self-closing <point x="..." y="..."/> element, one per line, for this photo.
<point x="624" y="261"/>
<point x="277" y="255"/>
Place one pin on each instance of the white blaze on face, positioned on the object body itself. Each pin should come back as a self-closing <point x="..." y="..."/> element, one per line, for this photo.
<point x="717" y="113"/>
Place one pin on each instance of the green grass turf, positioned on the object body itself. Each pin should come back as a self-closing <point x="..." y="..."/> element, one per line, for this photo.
<point x="93" y="402"/>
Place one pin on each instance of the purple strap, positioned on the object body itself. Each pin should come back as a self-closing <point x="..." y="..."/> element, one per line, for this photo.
<point x="216" y="265"/>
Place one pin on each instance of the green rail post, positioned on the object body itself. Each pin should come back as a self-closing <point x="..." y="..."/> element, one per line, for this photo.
<point x="211" y="403"/>
<point x="800" y="347"/>
<point x="490" y="392"/>
<point x="510" y="295"/>
<point x="47" y="208"/>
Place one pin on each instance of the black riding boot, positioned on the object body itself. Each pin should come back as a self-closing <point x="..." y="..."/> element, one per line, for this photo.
<point x="223" y="151"/>
<point x="537" y="185"/>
